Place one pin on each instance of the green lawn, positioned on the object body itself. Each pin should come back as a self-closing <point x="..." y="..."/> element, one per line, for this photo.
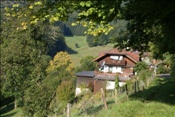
<point x="84" y="50"/>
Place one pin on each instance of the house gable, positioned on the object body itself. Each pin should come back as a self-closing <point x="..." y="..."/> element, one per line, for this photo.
<point x="132" y="56"/>
<point x="115" y="61"/>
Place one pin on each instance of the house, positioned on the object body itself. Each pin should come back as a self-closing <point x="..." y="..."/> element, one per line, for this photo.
<point x="110" y="63"/>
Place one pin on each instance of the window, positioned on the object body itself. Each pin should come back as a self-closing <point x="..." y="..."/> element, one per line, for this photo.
<point x="117" y="57"/>
<point x="121" y="58"/>
<point x="117" y="69"/>
<point x="114" y="57"/>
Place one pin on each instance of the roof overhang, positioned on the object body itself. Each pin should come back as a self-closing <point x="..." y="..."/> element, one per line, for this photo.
<point x="90" y="74"/>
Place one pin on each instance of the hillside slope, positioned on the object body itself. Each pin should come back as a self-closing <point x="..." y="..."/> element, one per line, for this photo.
<point x="156" y="101"/>
<point x="82" y="49"/>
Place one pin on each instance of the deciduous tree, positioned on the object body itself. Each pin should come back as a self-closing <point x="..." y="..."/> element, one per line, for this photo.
<point x="42" y="99"/>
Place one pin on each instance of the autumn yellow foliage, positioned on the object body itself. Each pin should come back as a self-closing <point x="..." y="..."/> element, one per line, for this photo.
<point x="61" y="62"/>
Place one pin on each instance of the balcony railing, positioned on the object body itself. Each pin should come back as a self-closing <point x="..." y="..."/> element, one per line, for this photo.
<point x="115" y="62"/>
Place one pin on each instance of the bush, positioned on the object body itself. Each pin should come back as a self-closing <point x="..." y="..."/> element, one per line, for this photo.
<point x="140" y="66"/>
<point x="144" y="75"/>
<point x="87" y="64"/>
<point x="172" y="72"/>
<point x="65" y="91"/>
<point x="172" y="67"/>
<point x="162" y="69"/>
<point x="77" y="45"/>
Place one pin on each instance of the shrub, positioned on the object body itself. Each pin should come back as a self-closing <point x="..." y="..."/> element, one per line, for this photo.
<point x="140" y="66"/>
<point x="162" y="69"/>
<point x="87" y="63"/>
<point x="144" y="75"/>
<point x="77" y="45"/>
<point x="65" y="91"/>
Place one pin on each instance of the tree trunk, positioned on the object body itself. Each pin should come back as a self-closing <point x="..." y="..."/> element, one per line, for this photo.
<point x="15" y="103"/>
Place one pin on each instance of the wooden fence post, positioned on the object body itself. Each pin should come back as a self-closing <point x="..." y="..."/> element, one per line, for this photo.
<point x="116" y="95"/>
<point x="68" y="110"/>
<point x="135" y="86"/>
<point x="126" y="89"/>
<point x="104" y="99"/>
<point x="138" y="85"/>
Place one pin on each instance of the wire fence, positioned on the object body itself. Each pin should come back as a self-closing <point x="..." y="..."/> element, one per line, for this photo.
<point x="137" y="83"/>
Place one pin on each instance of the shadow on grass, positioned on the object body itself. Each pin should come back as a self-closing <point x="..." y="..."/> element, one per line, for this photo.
<point x="95" y="109"/>
<point x="70" y="51"/>
<point x="163" y="90"/>
<point x="7" y="109"/>
<point x="9" y="115"/>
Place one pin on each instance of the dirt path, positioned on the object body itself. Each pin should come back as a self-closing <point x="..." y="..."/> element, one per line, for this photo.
<point x="164" y="75"/>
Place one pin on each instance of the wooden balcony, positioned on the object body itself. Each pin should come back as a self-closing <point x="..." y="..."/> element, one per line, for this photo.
<point x="116" y="62"/>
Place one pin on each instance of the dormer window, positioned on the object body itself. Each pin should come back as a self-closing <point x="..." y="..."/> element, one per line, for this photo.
<point x="116" y="57"/>
<point x="121" y="58"/>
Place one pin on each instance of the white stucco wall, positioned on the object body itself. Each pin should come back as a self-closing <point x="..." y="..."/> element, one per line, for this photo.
<point x="79" y="90"/>
<point x="106" y="68"/>
<point x="121" y="84"/>
<point x="116" y="70"/>
<point x="110" y="85"/>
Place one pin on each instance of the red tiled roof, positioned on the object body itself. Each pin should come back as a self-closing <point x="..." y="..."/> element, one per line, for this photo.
<point x="131" y="55"/>
<point x="100" y="56"/>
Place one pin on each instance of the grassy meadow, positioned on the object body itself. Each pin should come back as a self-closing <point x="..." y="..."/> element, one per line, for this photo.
<point x="83" y="50"/>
